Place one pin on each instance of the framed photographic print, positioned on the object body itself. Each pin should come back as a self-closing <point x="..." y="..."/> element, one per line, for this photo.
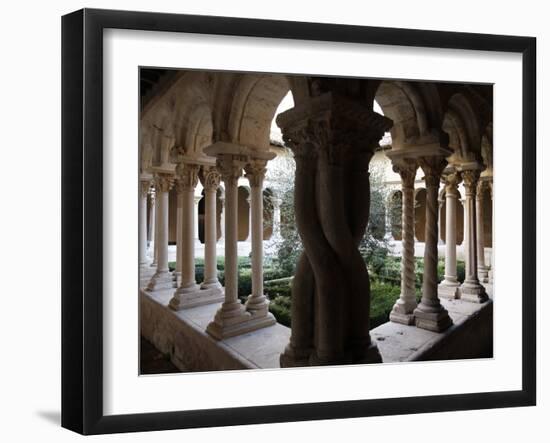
<point x="269" y="221"/>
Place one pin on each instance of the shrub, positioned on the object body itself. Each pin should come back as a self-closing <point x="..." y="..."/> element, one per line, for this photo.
<point x="280" y="308"/>
<point x="383" y="297"/>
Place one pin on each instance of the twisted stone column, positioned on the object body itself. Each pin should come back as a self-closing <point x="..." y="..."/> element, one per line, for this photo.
<point x="257" y="303"/>
<point x="162" y="279"/>
<point x="471" y="289"/>
<point x="143" y="192"/>
<point x="430" y="314"/>
<point x="332" y="138"/>
<point x="404" y="307"/>
<point x="448" y="288"/>
<point x="482" y="270"/>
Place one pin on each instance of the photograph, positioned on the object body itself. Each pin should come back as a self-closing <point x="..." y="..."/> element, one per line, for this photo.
<point x="294" y="220"/>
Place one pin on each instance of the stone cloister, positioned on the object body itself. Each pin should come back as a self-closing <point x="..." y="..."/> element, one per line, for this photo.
<point x="204" y="151"/>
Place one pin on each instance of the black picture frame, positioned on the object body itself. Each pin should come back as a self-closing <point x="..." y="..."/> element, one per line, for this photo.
<point x="82" y="218"/>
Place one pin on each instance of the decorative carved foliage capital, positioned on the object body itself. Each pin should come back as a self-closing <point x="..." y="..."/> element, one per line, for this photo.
<point x="299" y="136"/>
<point x="163" y="182"/>
<point x="187" y="176"/>
<point x="451" y="182"/>
<point x="255" y="172"/>
<point x="210" y="178"/>
<point x="230" y="168"/>
<point x="407" y="170"/>
<point x="471" y="178"/>
<point x="433" y="167"/>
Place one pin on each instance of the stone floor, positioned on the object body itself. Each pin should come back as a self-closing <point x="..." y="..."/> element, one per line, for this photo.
<point x="152" y="361"/>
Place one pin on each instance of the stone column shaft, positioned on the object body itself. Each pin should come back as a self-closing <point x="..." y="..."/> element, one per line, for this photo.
<point x="196" y="217"/>
<point x="153" y="228"/>
<point x="144" y="189"/>
<point x="189" y="294"/>
<point x="430" y="314"/>
<point x="187" y="256"/>
<point x="448" y="288"/>
<point x="186" y="181"/>
<point x="403" y="309"/>
<point x="212" y="180"/>
<point x="480" y="232"/>
<point x="179" y="233"/>
<point x="257" y="302"/>
<point x="471" y="289"/>
<point x="232" y="318"/>
<point x="162" y="278"/>
<point x="276" y="231"/>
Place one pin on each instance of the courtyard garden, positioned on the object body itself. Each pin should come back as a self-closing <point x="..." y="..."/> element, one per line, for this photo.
<point x="385" y="278"/>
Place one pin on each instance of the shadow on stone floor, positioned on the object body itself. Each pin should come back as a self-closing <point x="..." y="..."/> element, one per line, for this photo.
<point x="152" y="361"/>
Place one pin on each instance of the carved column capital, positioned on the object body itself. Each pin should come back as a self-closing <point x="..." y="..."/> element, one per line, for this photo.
<point x="230" y="167"/>
<point x="335" y="126"/>
<point x="210" y="178"/>
<point x="471" y="177"/>
<point x="255" y="172"/>
<point x="451" y="181"/>
<point x="276" y="202"/>
<point x="407" y="170"/>
<point x="187" y="176"/>
<point x="163" y="182"/>
<point x="433" y="167"/>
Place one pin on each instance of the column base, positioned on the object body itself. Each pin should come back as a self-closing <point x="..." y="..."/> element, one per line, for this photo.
<point x="473" y="292"/>
<point x="177" y="278"/>
<point x="436" y="320"/>
<point x="402" y="312"/>
<point x="294" y="358"/>
<point x="161" y="280"/>
<point x="233" y="319"/>
<point x="257" y="305"/>
<point x="211" y="284"/>
<point x="366" y="355"/>
<point x="448" y="289"/>
<point x="186" y="298"/>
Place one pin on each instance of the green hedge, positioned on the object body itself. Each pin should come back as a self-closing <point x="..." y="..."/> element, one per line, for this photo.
<point x="385" y="286"/>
